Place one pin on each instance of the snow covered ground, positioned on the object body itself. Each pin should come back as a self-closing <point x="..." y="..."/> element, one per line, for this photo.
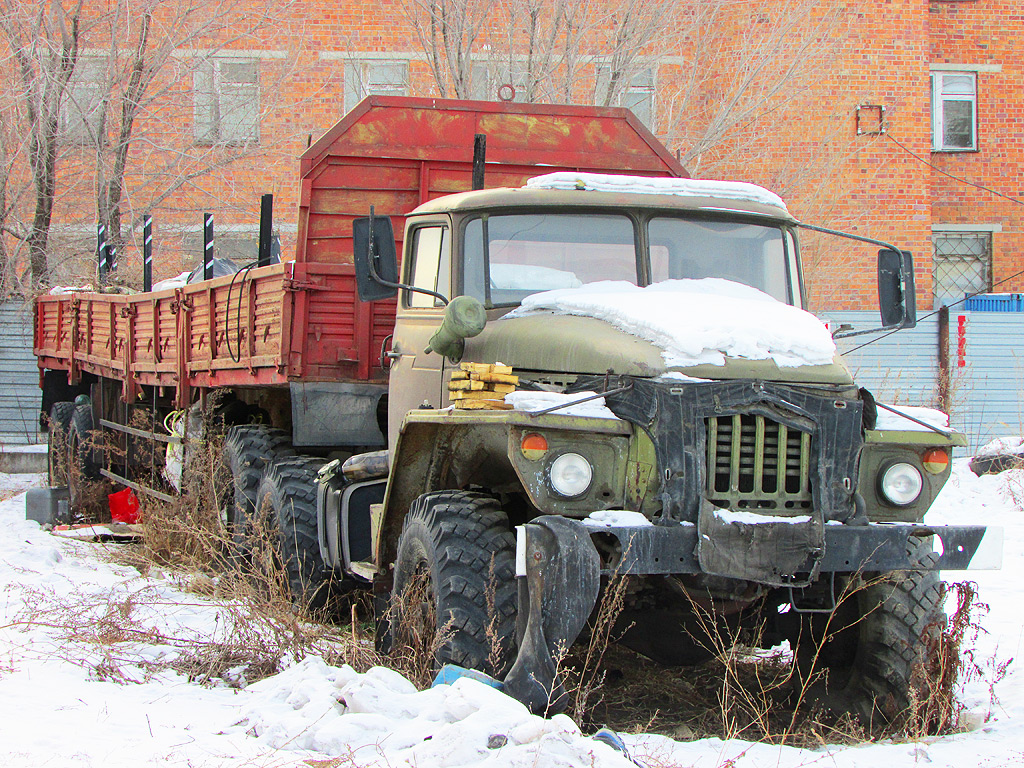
<point x="67" y="702"/>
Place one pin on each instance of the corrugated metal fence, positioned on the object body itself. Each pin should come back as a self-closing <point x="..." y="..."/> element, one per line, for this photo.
<point x="987" y="381"/>
<point x="19" y="377"/>
<point x="987" y="391"/>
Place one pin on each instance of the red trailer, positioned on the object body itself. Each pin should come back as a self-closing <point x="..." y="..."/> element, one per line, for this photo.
<point x="281" y="335"/>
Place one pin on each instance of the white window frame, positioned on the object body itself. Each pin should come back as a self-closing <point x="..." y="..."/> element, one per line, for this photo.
<point x="83" y="102"/>
<point x="367" y="77"/>
<point x="214" y="90"/>
<point x="642" y="88"/>
<point x="939" y="80"/>
<point x="489" y="76"/>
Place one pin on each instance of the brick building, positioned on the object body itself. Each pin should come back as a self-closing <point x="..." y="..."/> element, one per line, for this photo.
<point x="859" y="115"/>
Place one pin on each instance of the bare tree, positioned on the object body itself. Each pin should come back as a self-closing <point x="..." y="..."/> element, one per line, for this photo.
<point x="447" y="31"/>
<point x="42" y="42"/>
<point x="742" y="62"/>
<point x="105" y="98"/>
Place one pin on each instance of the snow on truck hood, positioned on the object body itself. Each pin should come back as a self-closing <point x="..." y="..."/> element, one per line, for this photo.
<point x="652" y="185"/>
<point x="697" y="322"/>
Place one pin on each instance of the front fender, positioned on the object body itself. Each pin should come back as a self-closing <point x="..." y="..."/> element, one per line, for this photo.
<point x="450" y="449"/>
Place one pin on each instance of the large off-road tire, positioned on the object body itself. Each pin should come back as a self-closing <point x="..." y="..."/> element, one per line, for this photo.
<point x="455" y="568"/>
<point x="248" y="450"/>
<point x="876" y="652"/>
<point x="57" y="426"/>
<point x="82" y="466"/>
<point x="286" y="505"/>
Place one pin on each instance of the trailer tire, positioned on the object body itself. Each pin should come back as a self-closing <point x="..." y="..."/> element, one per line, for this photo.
<point x="57" y="426"/>
<point x="876" y="654"/>
<point x="286" y="503"/>
<point x="460" y="544"/>
<point x="248" y="450"/>
<point x="82" y="466"/>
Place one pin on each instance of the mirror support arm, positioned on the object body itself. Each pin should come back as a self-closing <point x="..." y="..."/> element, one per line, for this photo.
<point x="849" y="236"/>
<point x="841" y="334"/>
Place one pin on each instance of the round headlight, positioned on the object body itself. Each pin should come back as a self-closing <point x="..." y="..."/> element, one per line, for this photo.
<point x="901" y="484"/>
<point x="571" y="474"/>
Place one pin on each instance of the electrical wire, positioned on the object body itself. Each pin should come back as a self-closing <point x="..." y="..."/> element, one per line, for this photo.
<point x="969" y="183"/>
<point x="244" y="272"/>
<point x="950" y="175"/>
<point x="935" y="312"/>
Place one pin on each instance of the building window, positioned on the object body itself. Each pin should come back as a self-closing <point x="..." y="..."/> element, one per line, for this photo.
<point x="491" y="81"/>
<point x="954" y="111"/>
<point x="637" y="96"/>
<point x="227" y="101"/>
<point x="374" y="78"/>
<point x="962" y="265"/>
<point x="82" y="110"/>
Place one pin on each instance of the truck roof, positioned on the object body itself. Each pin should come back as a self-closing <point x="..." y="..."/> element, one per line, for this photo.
<point x="524" y="197"/>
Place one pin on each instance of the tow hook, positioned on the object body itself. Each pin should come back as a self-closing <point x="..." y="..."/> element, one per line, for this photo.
<point x="559" y="574"/>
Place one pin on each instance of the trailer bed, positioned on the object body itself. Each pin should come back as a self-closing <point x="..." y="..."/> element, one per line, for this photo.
<point x="302" y="320"/>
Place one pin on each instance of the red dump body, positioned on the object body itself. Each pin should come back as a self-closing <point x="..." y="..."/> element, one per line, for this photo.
<point x="302" y="320"/>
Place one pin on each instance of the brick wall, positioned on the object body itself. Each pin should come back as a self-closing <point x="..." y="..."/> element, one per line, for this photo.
<point x="801" y="140"/>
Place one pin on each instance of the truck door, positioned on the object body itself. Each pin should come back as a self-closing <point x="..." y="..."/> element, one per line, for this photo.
<point x="415" y="377"/>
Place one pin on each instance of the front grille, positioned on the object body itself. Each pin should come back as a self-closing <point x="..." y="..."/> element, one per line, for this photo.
<point x="757" y="463"/>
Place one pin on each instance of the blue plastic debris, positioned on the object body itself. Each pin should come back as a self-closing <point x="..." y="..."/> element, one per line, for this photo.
<point x="613" y="740"/>
<point x="451" y="672"/>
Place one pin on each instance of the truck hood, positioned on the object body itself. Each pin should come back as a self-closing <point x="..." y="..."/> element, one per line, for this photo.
<point x="586" y="345"/>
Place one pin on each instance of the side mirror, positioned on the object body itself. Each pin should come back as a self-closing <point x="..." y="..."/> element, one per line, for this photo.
<point x="464" y="318"/>
<point x="375" y="258"/>
<point x="896" y="299"/>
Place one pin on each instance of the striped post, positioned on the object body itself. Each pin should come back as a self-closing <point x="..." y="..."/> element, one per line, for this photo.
<point x="101" y="252"/>
<point x="207" y="246"/>
<point x="147" y="253"/>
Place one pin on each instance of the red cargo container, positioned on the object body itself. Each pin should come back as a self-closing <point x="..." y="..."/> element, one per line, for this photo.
<point x="301" y="320"/>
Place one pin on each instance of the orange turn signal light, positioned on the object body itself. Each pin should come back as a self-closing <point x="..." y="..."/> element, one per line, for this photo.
<point x="935" y="461"/>
<point x="534" y="446"/>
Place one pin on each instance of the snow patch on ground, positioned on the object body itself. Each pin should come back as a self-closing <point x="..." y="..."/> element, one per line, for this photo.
<point x="1002" y="445"/>
<point x="697" y="322"/>
<point x="58" y="708"/>
<point x="651" y="185"/>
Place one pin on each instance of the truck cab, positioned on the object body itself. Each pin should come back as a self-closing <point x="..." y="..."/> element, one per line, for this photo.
<point x="733" y="464"/>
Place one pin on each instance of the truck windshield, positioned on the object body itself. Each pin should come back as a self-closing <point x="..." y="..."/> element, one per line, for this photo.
<point x="751" y="254"/>
<point x="509" y="257"/>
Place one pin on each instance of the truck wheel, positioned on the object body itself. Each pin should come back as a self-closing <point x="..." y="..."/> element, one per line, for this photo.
<point x="81" y="449"/>
<point x="248" y="450"/>
<point x="286" y="503"/>
<point x="875" y="654"/>
<point x="57" y="428"/>
<point x="454" y="585"/>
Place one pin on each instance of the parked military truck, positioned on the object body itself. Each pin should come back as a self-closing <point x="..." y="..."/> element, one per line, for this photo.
<point x="739" y="478"/>
<point x="735" y="475"/>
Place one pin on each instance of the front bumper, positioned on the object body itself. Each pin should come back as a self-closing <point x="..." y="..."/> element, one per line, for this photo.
<point x="560" y="562"/>
<point x="876" y="547"/>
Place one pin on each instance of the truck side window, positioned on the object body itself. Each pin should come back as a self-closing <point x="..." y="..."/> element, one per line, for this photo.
<point x="431" y="266"/>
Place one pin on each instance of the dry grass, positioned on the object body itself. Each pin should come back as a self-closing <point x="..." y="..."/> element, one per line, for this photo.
<point x="742" y="692"/>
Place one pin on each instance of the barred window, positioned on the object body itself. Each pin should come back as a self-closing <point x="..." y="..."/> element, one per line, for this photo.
<point x="962" y="265"/>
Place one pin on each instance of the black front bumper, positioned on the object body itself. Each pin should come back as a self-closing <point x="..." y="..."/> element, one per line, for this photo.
<point x="876" y="547"/>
